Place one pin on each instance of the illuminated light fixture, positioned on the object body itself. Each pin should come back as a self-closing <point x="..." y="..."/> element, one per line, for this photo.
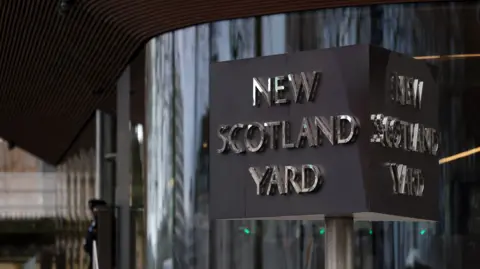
<point x="423" y="231"/>
<point x="459" y="155"/>
<point x="322" y="231"/>
<point x="370" y="232"/>
<point x="452" y="56"/>
<point x="246" y="231"/>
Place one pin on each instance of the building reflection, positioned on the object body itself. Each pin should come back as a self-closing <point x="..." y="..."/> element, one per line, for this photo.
<point x="179" y="234"/>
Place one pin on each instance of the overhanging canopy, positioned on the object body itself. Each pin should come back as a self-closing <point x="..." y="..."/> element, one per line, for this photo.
<point x="57" y="69"/>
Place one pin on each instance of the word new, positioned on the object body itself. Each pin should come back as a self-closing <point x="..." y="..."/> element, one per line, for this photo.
<point x="282" y="90"/>
<point x="406" y="90"/>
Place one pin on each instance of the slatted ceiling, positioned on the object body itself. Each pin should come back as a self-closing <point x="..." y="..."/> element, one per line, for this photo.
<point x="55" y="70"/>
<point x="47" y="74"/>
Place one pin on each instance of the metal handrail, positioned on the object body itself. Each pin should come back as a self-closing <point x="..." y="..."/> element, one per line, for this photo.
<point x="95" y="256"/>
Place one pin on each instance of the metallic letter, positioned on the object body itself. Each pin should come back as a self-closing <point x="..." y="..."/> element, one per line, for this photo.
<point x="398" y="173"/>
<point x="291" y="176"/>
<point x="351" y="132"/>
<point x="306" y="133"/>
<point x="249" y="137"/>
<point x="300" y="82"/>
<point x="409" y="91"/>
<point x="224" y="137"/>
<point x="393" y="86"/>
<point x="401" y="90"/>
<point x="405" y="130"/>
<point x="419" y="182"/>
<point x="394" y="136"/>
<point x="435" y="142"/>
<point x="276" y="179"/>
<point x="286" y="144"/>
<point x="417" y="93"/>
<point x="279" y="91"/>
<point x="325" y="128"/>
<point x="231" y="138"/>
<point x="314" y="180"/>
<point x="377" y="136"/>
<point x="259" y="177"/>
<point x="266" y="93"/>
<point x="272" y="130"/>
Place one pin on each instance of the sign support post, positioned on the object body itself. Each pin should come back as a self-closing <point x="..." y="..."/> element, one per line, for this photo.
<point x="339" y="238"/>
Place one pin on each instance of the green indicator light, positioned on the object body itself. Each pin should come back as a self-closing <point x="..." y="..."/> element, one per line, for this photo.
<point x="246" y="231"/>
<point x="370" y="232"/>
<point x="423" y="231"/>
<point x="322" y="231"/>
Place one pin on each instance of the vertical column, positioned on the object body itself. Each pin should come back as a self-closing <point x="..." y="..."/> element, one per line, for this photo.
<point x="99" y="154"/>
<point x="104" y="186"/>
<point x="107" y="183"/>
<point x="69" y="199"/>
<point x="60" y="258"/>
<point x="105" y="237"/>
<point x="123" y="172"/>
<point x="339" y="243"/>
<point x="63" y="192"/>
<point x="79" y="184"/>
<point x="105" y="157"/>
<point x="90" y="182"/>
<point x="78" y="177"/>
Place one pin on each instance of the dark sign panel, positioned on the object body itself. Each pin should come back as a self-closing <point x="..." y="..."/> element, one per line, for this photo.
<point x="346" y="131"/>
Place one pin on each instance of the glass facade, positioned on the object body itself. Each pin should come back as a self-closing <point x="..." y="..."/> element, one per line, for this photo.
<point x="178" y="232"/>
<point x="75" y="186"/>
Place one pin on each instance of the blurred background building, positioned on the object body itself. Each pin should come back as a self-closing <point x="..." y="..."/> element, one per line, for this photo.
<point x="44" y="210"/>
<point x="28" y="189"/>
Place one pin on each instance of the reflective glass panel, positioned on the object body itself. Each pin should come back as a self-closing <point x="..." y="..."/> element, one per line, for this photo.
<point x="179" y="234"/>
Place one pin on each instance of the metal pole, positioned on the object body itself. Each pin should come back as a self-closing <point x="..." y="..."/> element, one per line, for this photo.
<point x="95" y="256"/>
<point x="107" y="184"/>
<point x="339" y="243"/>
<point x="98" y="153"/>
<point x="123" y="174"/>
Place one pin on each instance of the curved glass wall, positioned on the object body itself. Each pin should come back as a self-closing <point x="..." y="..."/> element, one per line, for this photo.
<point x="179" y="234"/>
